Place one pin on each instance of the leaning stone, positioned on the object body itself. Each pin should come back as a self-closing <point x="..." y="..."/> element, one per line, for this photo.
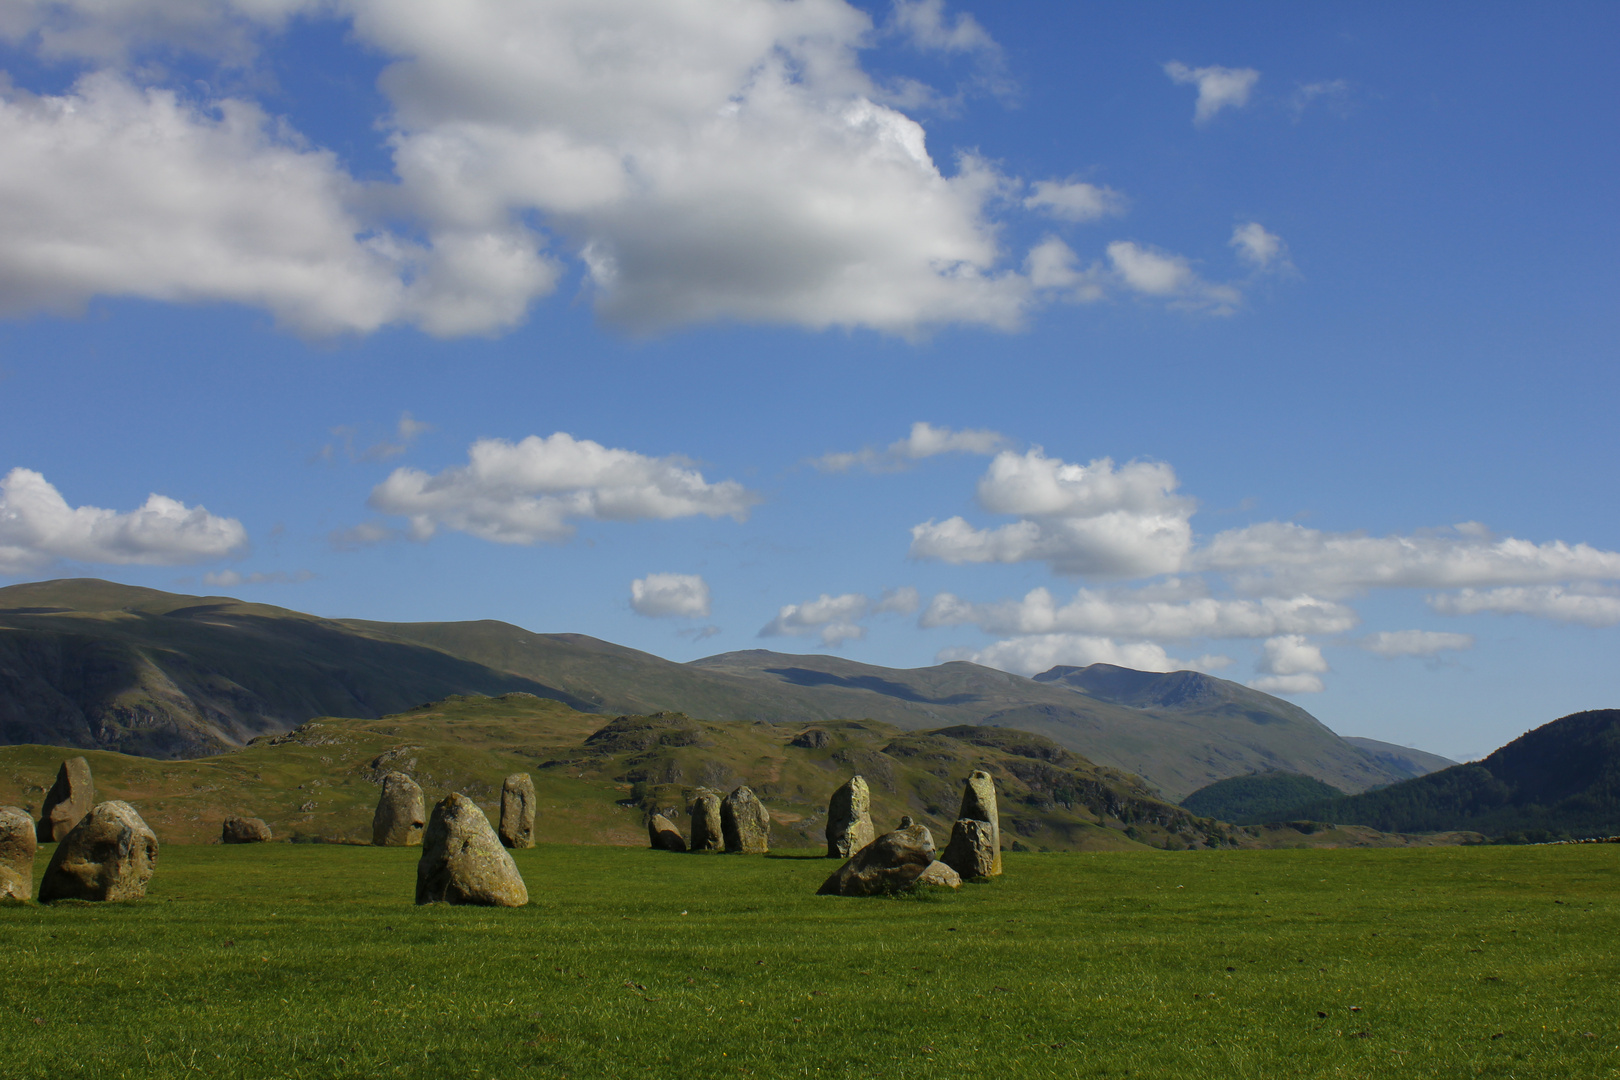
<point x="17" y="847"/>
<point x="892" y="863"/>
<point x="849" y="819"/>
<point x="979" y="804"/>
<point x="704" y="811"/>
<point x="517" y="811"/>
<point x="663" y="835"/>
<point x="245" y="830"/>
<point x="972" y="850"/>
<point x="940" y="874"/>
<point x="109" y="855"/>
<point x="69" y="799"/>
<point x="463" y="861"/>
<point x="400" y="813"/>
<point x="745" y="823"/>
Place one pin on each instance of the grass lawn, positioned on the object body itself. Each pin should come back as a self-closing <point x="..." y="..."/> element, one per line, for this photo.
<point x="311" y="961"/>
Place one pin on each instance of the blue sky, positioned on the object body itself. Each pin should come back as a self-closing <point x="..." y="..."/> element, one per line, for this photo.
<point x="1274" y="340"/>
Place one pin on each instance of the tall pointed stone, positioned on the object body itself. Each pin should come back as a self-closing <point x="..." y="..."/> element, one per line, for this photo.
<point x="972" y="851"/>
<point x="463" y="861"/>
<point x="517" y="811"/>
<point x="110" y="855"/>
<point x="70" y="798"/>
<point x="704" y="811"/>
<point x="401" y="812"/>
<point x="17" y="847"/>
<point x="849" y="819"/>
<point x="979" y="804"/>
<point x="745" y="823"/>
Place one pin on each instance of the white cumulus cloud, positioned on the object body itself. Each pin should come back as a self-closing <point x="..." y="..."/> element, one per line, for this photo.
<point x="1290" y="665"/>
<point x="1041" y="652"/>
<point x="1164" y="276"/>
<point x="1588" y="604"/>
<point x="1392" y="643"/>
<point x="680" y="595"/>
<point x="1257" y="247"/>
<point x="1073" y="200"/>
<point x="834" y="619"/>
<point x="924" y="441"/>
<point x="1125" y="613"/>
<point x="1218" y="87"/>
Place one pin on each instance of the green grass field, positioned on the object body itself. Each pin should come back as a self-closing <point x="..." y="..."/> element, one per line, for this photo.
<point x="311" y="961"/>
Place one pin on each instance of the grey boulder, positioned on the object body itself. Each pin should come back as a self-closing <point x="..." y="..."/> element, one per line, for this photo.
<point x="69" y="799"/>
<point x="17" y="847"/>
<point x="110" y="855"/>
<point x="892" y="863"/>
<point x="663" y="835"/>
<point x="849" y="819"/>
<point x="400" y="809"/>
<point x="517" y="811"/>
<point x="704" y="811"/>
<point x="463" y="861"/>
<point x="972" y="850"/>
<point x="245" y="830"/>
<point x="745" y="823"/>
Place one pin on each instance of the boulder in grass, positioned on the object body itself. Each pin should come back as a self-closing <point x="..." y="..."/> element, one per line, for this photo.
<point x="17" y="847"/>
<point x="108" y="856"/>
<point x="941" y="875"/>
<point x="463" y="861"/>
<point x="979" y="804"/>
<point x="399" y="819"/>
<point x="69" y="799"/>
<point x="892" y="863"/>
<point x="245" y="830"/>
<point x="849" y="819"/>
<point x="517" y="811"/>
<point x="972" y="850"/>
<point x="663" y="835"/>
<point x="704" y="811"/>
<point x="745" y="823"/>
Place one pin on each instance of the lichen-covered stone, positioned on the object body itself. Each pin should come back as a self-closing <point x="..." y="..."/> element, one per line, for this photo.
<point x="401" y="811"/>
<point x="891" y="863"/>
<point x="938" y="873"/>
<point x="663" y="835"/>
<point x="245" y="830"/>
<point x="745" y="823"/>
<point x="463" y="861"/>
<point x="517" y="811"/>
<point x="69" y="799"/>
<point x="972" y="850"/>
<point x="849" y="819"/>
<point x="110" y="855"/>
<point x="704" y="811"/>
<point x="17" y="847"/>
<point x="979" y="804"/>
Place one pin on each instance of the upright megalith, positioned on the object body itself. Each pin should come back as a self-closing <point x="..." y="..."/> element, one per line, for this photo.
<point x="517" y="811"/>
<point x="245" y="830"/>
<point x="849" y="819"/>
<point x="704" y="811"/>
<point x="69" y="799"/>
<point x="110" y="855"/>
<point x="972" y="850"/>
<point x="979" y="804"/>
<point x="745" y="823"/>
<point x="17" y="847"/>
<point x="400" y="813"/>
<point x="663" y="835"/>
<point x="463" y="861"/>
<point x="894" y="862"/>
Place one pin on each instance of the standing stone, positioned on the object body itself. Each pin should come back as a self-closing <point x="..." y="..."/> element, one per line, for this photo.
<point x="17" y="847"/>
<point x="109" y="855"/>
<point x="463" y="861"/>
<point x="663" y="835"/>
<point x="69" y="799"/>
<point x="892" y="863"/>
<point x="245" y="830"/>
<point x="849" y="819"/>
<point x="745" y="823"/>
<point x="979" y="804"/>
<point x="972" y="850"/>
<point x="400" y="813"/>
<point x="705" y="815"/>
<point x="517" y="811"/>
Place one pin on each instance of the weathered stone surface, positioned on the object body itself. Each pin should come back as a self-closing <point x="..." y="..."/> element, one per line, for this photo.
<point x="972" y="850"/>
<point x="463" y="861"/>
<point x="517" y="811"/>
<point x="704" y="811"/>
<point x="69" y="799"/>
<point x="17" y="847"/>
<point x="663" y="835"/>
<point x="745" y="823"/>
<point x="979" y="804"/>
<point x="849" y="819"/>
<point x="110" y="855"/>
<point x="891" y="863"/>
<point x="811" y="739"/>
<point x="245" y="830"/>
<point x="401" y="810"/>
<point x="939" y="874"/>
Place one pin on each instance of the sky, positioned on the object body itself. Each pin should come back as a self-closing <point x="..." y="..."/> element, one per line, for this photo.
<point x="1270" y="340"/>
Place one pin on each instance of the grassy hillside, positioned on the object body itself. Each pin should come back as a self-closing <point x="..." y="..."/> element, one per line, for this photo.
<point x="1258" y="798"/>
<point x="1402" y="759"/>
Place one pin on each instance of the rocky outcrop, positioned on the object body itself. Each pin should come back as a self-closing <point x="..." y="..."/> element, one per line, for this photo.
<point x="110" y="855"/>
<point x="463" y="861"/>
<point x="400" y="813"/>
<point x="745" y="823"/>
<point x="972" y="850"/>
<point x="517" y="811"/>
<point x="69" y="799"/>
<point x="704" y="811"/>
<point x="245" y="830"/>
<point x="811" y="739"/>
<point x="892" y="863"/>
<point x="17" y="847"/>
<point x="979" y="804"/>
<point x="663" y="835"/>
<point x="849" y="819"/>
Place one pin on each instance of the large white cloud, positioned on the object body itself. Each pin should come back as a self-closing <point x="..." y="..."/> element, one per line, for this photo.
<point x="1588" y="604"/>
<point x="837" y="619"/>
<point x="523" y="492"/>
<point x="38" y="527"/>
<point x="1122" y="614"/>
<point x="1041" y="652"/>
<point x="663" y="595"/>
<point x="1291" y="665"/>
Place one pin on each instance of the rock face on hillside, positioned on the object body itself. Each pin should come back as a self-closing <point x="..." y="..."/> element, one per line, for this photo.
<point x="463" y="861"/>
<point x="17" y="847"/>
<point x="745" y="823"/>
<point x="517" y="811"/>
<point x="812" y="739"/>
<point x="249" y="830"/>
<point x="892" y="863"/>
<point x="663" y="835"/>
<point x="979" y="804"/>
<point x="400" y="813"/>
<point x="972" y="850"/>
<point x="110" y="855"/>
<point x="849" y="819"/>
<point x="69" y="799"/>
<point x="707" y="834"/>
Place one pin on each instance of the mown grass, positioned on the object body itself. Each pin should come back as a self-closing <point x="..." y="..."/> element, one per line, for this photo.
<point x="311" y="961"/>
